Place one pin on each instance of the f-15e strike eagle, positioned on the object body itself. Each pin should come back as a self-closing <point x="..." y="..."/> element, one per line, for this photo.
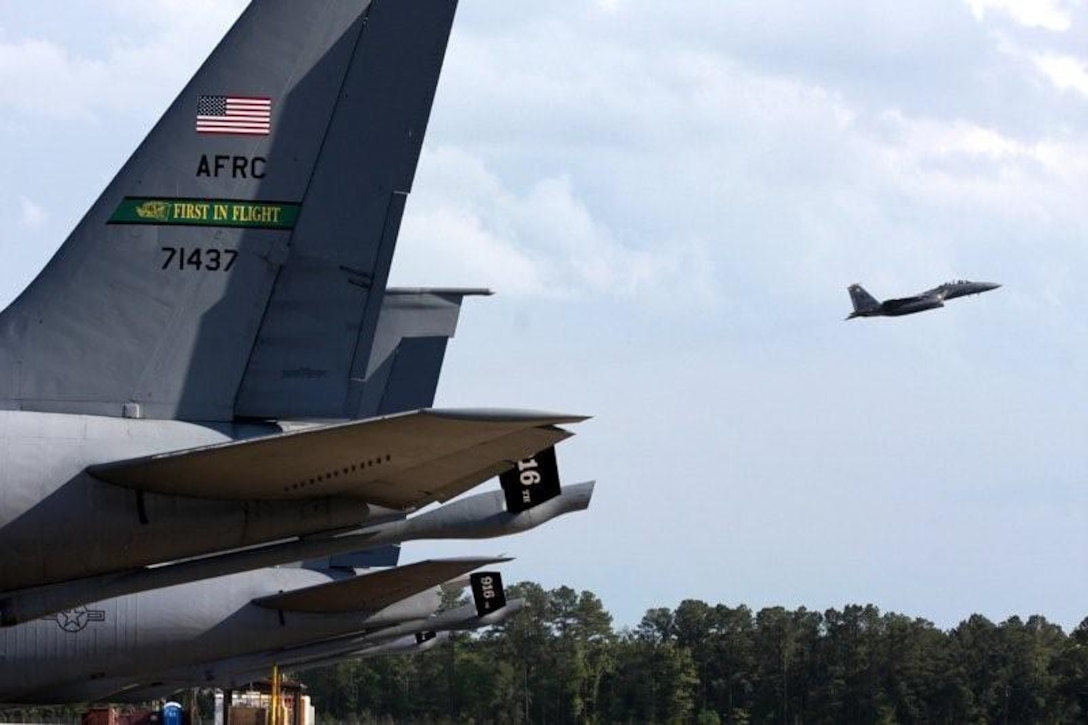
<point x="865" y="305"/>
<point x="210" y="375"/>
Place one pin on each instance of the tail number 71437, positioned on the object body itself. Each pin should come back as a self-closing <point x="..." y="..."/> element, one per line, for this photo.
<point x="198" y="259"/>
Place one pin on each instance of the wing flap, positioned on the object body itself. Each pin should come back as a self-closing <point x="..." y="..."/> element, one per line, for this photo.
<point x="401" y="461"/>
<point x="376" y="591"/>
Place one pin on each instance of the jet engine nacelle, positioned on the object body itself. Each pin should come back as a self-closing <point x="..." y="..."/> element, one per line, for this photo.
<point x="484" y="516"/>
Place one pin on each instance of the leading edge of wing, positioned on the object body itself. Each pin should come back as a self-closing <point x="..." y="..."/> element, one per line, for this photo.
<point x="398" y="461"/>
<point x="375" y="591"/>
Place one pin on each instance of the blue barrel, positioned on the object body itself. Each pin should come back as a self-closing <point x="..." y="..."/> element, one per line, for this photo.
<point x="172" y="714"/>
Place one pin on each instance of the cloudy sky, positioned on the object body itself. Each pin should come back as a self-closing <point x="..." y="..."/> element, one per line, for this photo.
<point x="670" y="202"/>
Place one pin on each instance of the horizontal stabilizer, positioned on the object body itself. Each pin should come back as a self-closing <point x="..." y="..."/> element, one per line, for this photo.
<point x="400" y="461"/>
<point x="374" y="592"/>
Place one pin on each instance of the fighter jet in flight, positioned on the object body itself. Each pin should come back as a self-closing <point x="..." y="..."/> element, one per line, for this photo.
<point x="865" y="305"/>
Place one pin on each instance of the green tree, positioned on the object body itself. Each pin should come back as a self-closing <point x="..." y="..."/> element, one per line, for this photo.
<point x="560" y="661"/>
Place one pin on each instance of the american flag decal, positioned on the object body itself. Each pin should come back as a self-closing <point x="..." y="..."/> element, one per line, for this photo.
<point x="234" y="115"/>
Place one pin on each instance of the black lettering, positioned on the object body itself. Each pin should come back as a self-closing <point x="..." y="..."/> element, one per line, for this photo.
<point x="193" y="260"/>
<point x="239" y="167"/>
<point x="206" y="259"/>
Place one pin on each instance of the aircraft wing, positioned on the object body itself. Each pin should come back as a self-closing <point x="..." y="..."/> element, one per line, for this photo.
<point x="373" y="592"/>
<point x="899" y="301"/>
<point x="399" y="461"/>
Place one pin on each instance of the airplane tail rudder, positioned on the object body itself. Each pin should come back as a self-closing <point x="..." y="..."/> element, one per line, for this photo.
<point x="863" y="301"/>
<point x="235" y="266"/>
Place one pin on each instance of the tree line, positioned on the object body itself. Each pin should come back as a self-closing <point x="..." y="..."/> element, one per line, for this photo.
<point x="561" y="661"/>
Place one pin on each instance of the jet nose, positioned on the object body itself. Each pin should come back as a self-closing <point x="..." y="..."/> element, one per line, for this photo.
<point x="987" y="286"/>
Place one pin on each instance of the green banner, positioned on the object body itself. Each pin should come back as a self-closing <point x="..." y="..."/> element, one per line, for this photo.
<point x="206" y="213"/>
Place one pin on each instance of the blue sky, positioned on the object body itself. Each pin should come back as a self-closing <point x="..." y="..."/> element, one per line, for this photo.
<point x="670" y="205"/>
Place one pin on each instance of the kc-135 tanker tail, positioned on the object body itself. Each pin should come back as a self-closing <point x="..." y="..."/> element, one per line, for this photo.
<point x="234" y="268"/>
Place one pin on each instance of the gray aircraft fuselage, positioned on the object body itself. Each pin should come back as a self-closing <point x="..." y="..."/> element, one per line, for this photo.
<point x="395" y="639"/>
<point x="244" y="669"/>
<point x="57" y="522"/>
<point x="866" y="306"/>
<point x="211" y="630"/>
<point x="54" y="659"/>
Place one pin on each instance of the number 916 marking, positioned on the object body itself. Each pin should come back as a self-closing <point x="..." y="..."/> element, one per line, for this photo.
<point x="198" y="259"/>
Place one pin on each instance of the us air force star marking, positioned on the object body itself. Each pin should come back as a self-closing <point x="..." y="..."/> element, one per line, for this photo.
<point x="76" y="620"/>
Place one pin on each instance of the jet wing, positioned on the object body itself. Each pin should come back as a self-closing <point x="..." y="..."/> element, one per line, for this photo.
<point x="373" y="592"/>
<point x="900" y="301"/>
<point x="400" y="461"/>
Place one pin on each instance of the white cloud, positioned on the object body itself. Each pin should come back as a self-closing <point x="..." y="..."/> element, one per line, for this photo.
<point x="31" y="215"/>
<point x="450" y="246"/>
<point x="1047" y="14"/>
<point x="186" y="16"/>
<point x="1064" y="71"/>
<point x="969" y="166"/>
<point x="153" y="47"/>
<point x="466" y="225"/>
<point x="28" y="66"/>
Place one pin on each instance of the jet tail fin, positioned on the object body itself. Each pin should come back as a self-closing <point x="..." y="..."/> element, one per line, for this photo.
<point x="258" y="215"/>
<point x="862" y="300"/>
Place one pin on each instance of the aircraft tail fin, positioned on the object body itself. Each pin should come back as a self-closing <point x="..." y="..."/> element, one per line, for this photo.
<point x="862" y="300"/>
<point x="258" y="217"/>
